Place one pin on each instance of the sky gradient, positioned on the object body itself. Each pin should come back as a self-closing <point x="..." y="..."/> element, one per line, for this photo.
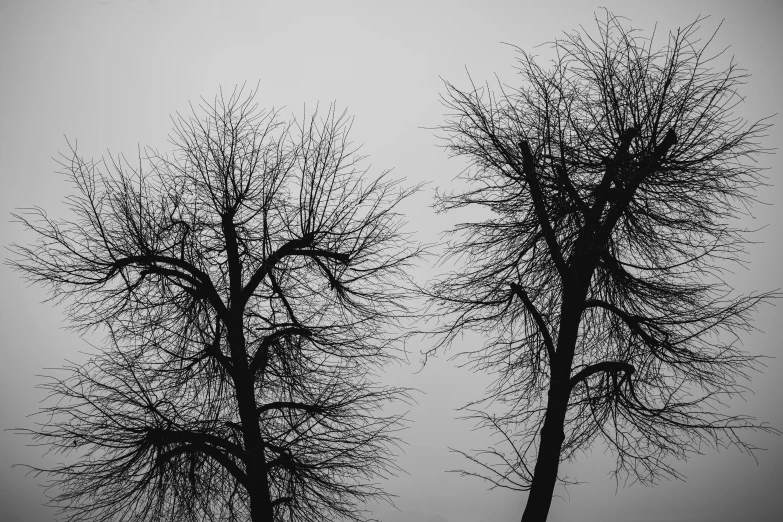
<point x="110" y="73"/>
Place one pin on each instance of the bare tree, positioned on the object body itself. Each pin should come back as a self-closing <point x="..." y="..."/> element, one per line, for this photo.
<point x="613" y="179"/>
<point x="251" y="285"/>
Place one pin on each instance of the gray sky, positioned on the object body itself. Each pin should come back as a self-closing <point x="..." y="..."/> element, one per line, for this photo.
<point x="109" y="73"/>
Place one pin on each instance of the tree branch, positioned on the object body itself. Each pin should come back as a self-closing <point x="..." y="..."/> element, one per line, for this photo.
<point x="280" y="405"/>
<point x="193" y="437"/>
<point x="528" y="169"/>
<point x="542" y="327"/>
<point x="266" y="343"/>
<point x="601" y="192"/>
<point x="271" y="260"/>
<point x="632" y="321"/>
<point x="209" y="445"/>
<point x="341" y="257"/>
<point x="627" y="193"/>
<point x="199" y="280"/>
<point x="605" y="366"/>
<point x="209" y="451"/>
<point x="281" y="500"/>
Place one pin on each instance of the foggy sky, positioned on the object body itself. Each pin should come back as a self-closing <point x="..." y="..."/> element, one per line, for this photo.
<point x="109" y="74"/>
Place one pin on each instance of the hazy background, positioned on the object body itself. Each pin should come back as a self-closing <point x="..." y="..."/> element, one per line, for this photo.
<point x="109" y="73"/>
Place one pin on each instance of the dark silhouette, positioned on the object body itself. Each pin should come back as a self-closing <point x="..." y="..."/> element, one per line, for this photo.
<point x="610" y="180"/>
<point x="249" y="283"/>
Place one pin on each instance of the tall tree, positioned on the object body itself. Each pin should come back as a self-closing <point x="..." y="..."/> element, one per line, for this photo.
<point x="612" y="179"/>
<point x="250" y="283"/>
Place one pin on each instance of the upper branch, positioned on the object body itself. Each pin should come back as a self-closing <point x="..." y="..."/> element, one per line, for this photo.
<point x="200" y="281"/>
<point x="294" y="247"/>
<point x="268" y="263"/>
<point x="234" y="264"/>
<point x="262" y="354"/>
<point x="627" y="193"/>
<point x="601" y="192"/>
<point x="539" y="206"/>
<point x="562" y="174"/>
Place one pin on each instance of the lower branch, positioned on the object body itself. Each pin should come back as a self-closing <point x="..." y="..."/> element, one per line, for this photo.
<point x="606" y="366"/>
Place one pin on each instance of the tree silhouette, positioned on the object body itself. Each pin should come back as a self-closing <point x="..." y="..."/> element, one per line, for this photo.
<point x="250" y="285"/>
<point x="612" y="180"/>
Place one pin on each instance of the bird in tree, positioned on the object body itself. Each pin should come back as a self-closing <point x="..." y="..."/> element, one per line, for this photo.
<point x="612" y="179"/>
<point x="250" y="284"/>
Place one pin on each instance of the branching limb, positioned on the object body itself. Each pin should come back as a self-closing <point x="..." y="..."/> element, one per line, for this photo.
<point x="533" y="311"/>
<point x="605" y="366"/>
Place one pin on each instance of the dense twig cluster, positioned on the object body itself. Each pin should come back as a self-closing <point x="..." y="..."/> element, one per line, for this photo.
<point x="250" y="284"/>
<point x="612" y="178"/>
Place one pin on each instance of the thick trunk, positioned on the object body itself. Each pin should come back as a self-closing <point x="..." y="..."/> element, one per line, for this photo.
<point x="260" y="506"/>
<point x="258" y="485"/>
<point x="255" y="462"/>
<point x="552" y="435"/>
<point x="261" y="509"/>
<point x="545" y="473"/>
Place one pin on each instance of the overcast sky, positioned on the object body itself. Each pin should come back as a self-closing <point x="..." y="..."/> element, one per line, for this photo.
<point x="109" y="73"/>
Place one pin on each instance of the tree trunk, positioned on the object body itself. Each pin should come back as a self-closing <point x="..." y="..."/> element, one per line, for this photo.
<point x="258" y="485"/>
<point x="261" y="509"/>
<point x="552" y="435"/>
<point x="545" y="474"/>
